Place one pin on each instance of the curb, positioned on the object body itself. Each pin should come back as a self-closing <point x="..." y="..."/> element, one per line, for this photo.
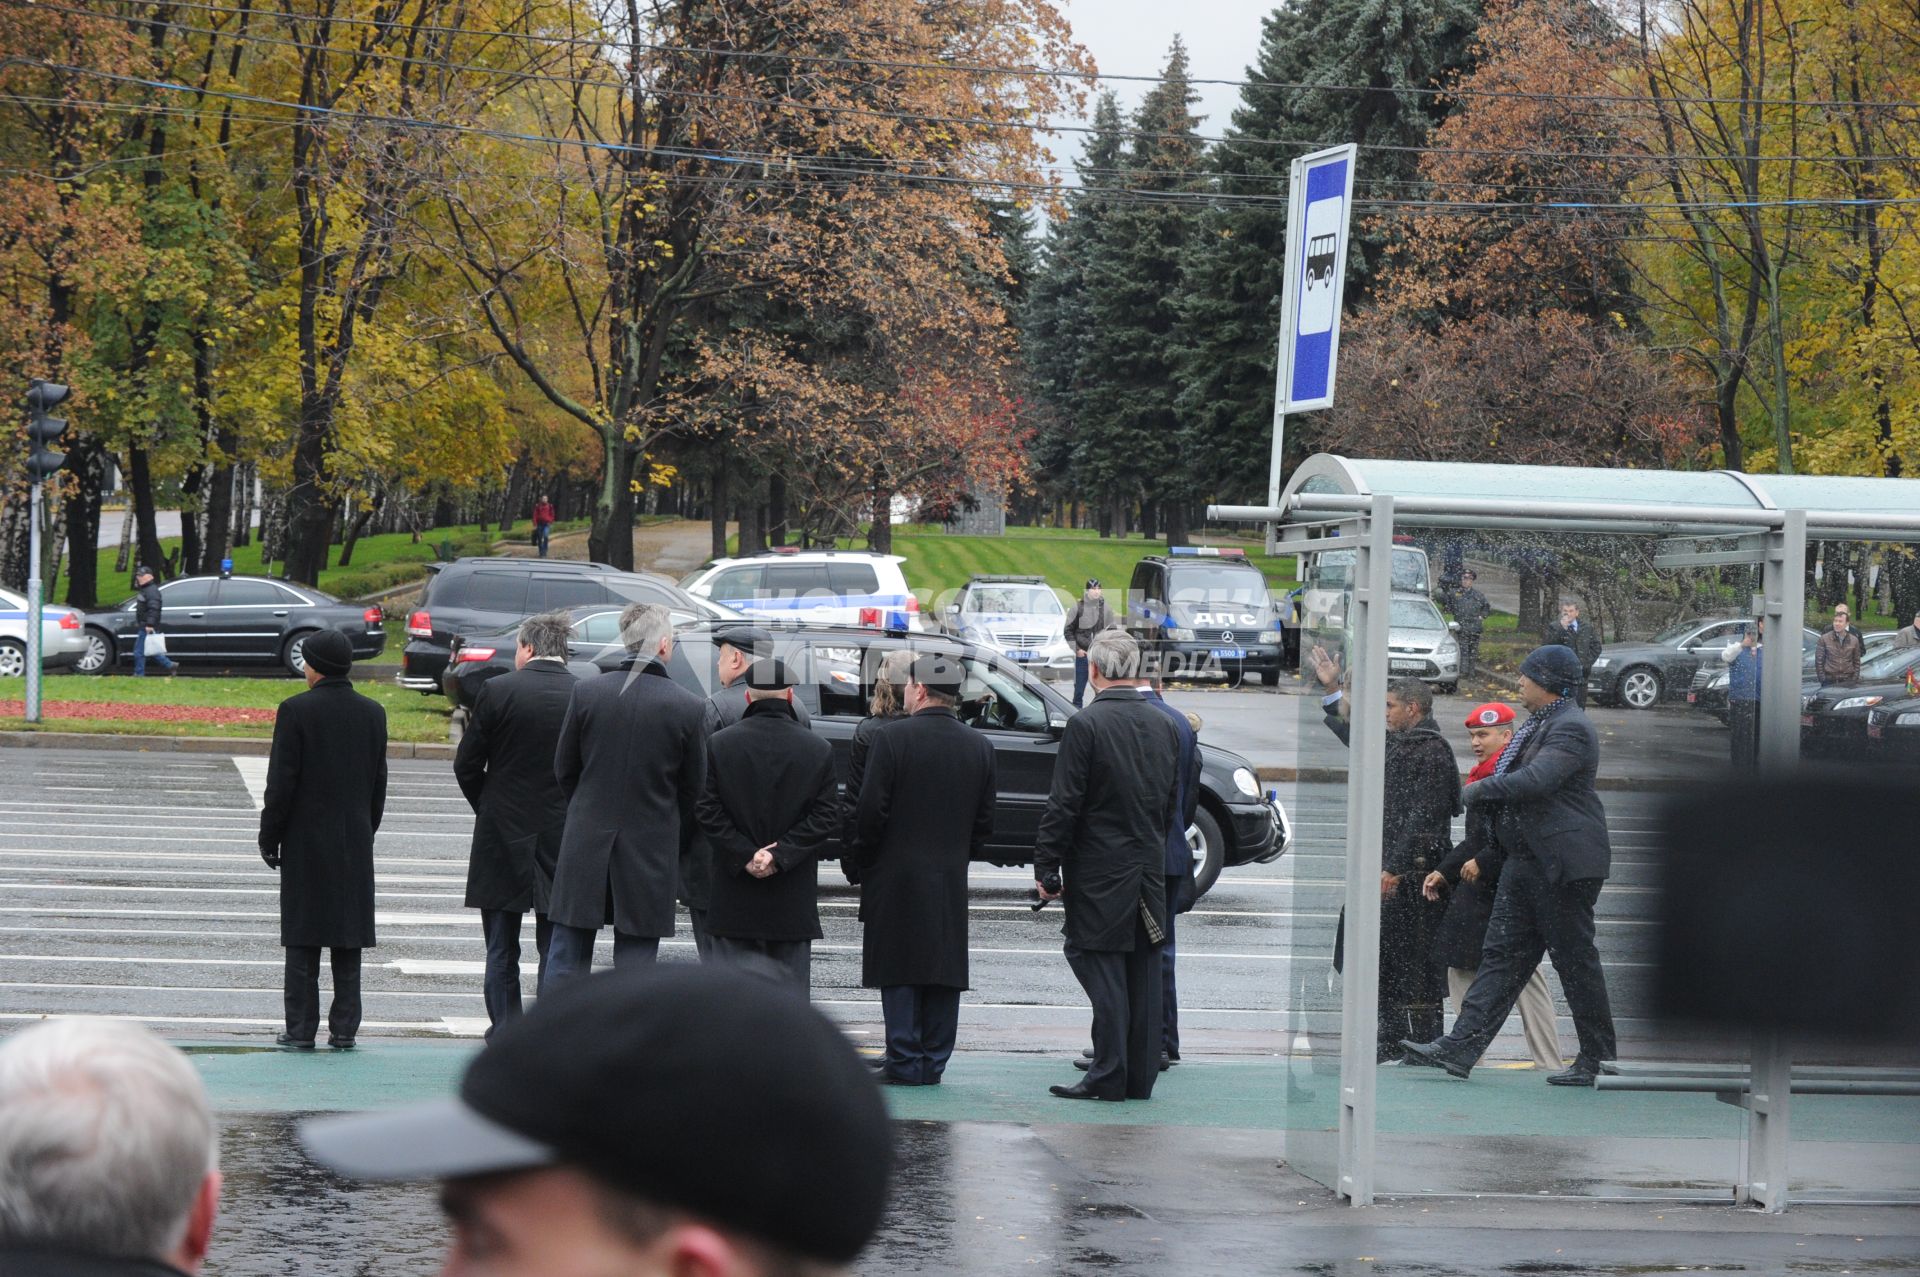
<point x="1338" y="776"/>
<point x="244" y="745"/>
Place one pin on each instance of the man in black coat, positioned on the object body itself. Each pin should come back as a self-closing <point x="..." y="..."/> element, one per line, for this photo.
<point x="1581" y="638"/>
<point x="1552" y="832"/>
<point x="1177" y="866"/>
<point x="146" y="621"/>
<point x="505" y="768"/>
<point x="925" y="811"/>
<point x="735" y="648"/>
<point x="770" y="802"/>
<point x="326" y="790"/>
<point x="1115" y="785"/>
<point x="631" y="758"/>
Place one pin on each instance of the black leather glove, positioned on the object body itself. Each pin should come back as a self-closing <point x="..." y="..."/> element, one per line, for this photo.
<point x="271" y="855"/>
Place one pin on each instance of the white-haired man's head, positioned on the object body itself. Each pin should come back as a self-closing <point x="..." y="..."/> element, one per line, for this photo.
<point x="107" y="1145"/>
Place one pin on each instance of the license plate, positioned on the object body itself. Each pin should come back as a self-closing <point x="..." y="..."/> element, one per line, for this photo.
<point x="1404" y="667"/>
<point x="1229" y="653"/>
<point x="1693" y="698"/>
<point x="1874" y="731"/>
<point x="1023" y="654"/>
<point x="1806" y="720"/>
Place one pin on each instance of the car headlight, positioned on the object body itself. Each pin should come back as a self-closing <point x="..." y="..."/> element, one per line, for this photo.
<point x="1603" y="662"/>
<point x="1719" y="680"/>
<point x="1180" y="636"/>
<point x="1447" y="648"/>
<point x="1909" y="719"/>
<point x="1244" y="781"/>
<point x="1860" y="702"/>
<point x="1269" y="636"/>
<point x="1806" y="703"/>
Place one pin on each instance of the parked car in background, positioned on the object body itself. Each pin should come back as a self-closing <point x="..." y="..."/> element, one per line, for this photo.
<point x="63" y="636"/>
<point x="235" y="620"/>
<point x="1019" y="617"/>
<point x="1893" y="731"/>
<point x="1833" y="719"/>
<point x="594" y="647"/>
<point x="492" y="595"/>
<point x="815" y="587"/>
<point x="1205" y="611"/>
<point x="1641" y="675"/>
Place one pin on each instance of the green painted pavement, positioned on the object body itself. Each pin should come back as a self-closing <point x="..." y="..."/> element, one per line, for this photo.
<point x="1264" y="1094"/>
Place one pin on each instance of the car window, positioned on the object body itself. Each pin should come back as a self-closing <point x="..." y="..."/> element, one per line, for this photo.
<point x="564" y="591"/>
<point x="1145" y="582"/>
<point x="853" y="578"/>
<point x="842" y="677"/>
<point x="1415" y="614"/>
<point x="796" y="580"/>
<point x="1012" y="600"/>
<point x="192" y="593"/>
<point x="601" y="627"/>
<point x="497" y="592"/>
<point x="735" y="583"/>
<point x="994" y="696"/>
<point x="1889" y="665"/>
<point x="640" y="590"/>
<point x="252" y="594"/>
<point x="1719" y="634"/>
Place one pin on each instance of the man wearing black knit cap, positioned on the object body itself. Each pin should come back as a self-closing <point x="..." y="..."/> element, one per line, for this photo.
<point x="630" y="1124"/>
<point x="1551" y="828"/>
<point x="326" y="791"/>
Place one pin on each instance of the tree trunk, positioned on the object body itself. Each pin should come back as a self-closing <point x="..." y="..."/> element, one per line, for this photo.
<point x="519" y="478"/>
<point x="355" y="528"/>
<point x="1531" y="618"/>
<point x="123" y="561"/>
<point x="14" y="538"/>
<point x="88" y="461"/>
<point x="880" y="531"/>
<point x="610" y="539"/>
<point x="308" y="511"/>
<point x="146" y="530"/>
<point x="1150" y="519"/>
<point x="220" y="505"/>
<point x="777" y="509"/>
<point x="753" y="533"/>
<point x="244" y="476"/>
<point x="718" y="514"/>
<point x="1176" y="512"/>
<point x="190" y="490"/>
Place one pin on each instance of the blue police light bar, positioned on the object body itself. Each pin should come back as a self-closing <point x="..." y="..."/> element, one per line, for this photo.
<point x="226" y="567"/>
<point x="1208" y="551"/>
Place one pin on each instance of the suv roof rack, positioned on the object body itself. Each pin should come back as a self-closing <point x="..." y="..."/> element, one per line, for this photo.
<point x="783" y="550"/>
<point x="1205" y="551"/>
<point x="1011" y="578"/>
<point x="579" y="564"/>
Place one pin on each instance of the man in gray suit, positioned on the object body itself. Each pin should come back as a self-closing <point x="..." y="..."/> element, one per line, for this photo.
<point x="1553" y="832"/>
<point x="632" y="760"/>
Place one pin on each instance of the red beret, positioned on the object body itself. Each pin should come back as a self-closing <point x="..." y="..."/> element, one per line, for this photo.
<point x="1492" y="714"/>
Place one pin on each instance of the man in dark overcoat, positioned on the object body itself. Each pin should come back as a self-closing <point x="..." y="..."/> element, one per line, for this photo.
<point x="1178" y="867"/>
<point x="1552" y="832"/>
<point x="1104" y="832"/>
<point x="326" y="790"/>
<point x="735" y="648"/>
<point x="925" y="811"/>
<point x="771" y="802"/>
<point x="631" y="758"/>
<point x="1422" y="784"/>
<point x="505" y="768"/>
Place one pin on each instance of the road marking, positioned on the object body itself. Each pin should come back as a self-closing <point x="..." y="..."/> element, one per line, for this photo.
<point x="253" y="774"/>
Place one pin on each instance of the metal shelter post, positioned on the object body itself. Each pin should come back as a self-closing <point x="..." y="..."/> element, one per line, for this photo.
<point x="1783" y="582"/>
<point x="1367" y="617"/>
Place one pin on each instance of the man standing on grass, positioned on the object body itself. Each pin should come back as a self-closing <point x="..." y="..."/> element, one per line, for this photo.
<point x="326" y="791"/>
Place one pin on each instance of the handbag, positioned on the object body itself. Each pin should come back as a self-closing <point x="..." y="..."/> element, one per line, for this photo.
<point x="155" y="644"/>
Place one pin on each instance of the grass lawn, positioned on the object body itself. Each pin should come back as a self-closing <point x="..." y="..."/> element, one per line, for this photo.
<point x="1066" y="557"/>
<point x="379" y="562"/>
<point x="152" y="706"/>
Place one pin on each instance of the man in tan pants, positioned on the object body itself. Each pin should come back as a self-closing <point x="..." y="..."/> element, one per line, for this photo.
<point x="1472" y="873"/>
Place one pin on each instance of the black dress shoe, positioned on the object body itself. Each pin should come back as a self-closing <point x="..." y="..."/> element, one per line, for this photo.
<point x="340" y="1044"/>
<point x="296" y="1044"/>
<point x="1389" y="1053"/>
<point x="1081" y="1091"/>
<point x="876" y="1061"/>
<point x="1166" y="1061"/>
<point x="1581" y="1072"/>
<point x="1083" y="1065"/>
<point x="1428" y="1053"/>
<point x="888" y="1079"/>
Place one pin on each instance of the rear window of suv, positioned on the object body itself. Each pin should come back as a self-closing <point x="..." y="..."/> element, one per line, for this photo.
<point x="493" y="592"/>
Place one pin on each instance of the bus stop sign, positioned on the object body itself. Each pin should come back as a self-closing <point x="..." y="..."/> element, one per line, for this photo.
<point x="1319" y="211"/>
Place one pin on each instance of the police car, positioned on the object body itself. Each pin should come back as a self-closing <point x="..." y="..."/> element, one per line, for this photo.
<point x="1198" y="610"/>
<point x="1019" y="617"/>
<point x="63" y="639"/>
<point x="813" y="587"/>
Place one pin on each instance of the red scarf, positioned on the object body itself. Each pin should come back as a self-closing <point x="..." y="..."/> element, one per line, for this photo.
<point x="1483" y="769"/>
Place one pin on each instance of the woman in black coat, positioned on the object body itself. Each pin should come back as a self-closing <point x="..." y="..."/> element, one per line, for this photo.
<point x="326" y="791"/>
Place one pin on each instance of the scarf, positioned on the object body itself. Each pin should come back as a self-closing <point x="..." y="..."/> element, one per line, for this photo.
<point x="1527" y="729"/>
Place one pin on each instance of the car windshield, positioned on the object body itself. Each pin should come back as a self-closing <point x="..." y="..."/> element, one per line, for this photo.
<point x="713" y="611"/>
<point x="1888" y="665"/>
<point x="1415" y="614"/>
<point x="1333" y="570"/>
<point x="1674" y="633"/>
<point x="1013" y="600"/>
<point x="1220" y="585"/>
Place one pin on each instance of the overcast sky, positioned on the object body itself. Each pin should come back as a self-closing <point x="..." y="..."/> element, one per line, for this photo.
<point x="1131" y="37"/>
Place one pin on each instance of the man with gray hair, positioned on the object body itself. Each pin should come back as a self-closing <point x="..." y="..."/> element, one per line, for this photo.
<point x="1101" y="845"/>
<point x="109" y="1157"/>
<point x="505" y="768"/>
<point x="632" y="762"/>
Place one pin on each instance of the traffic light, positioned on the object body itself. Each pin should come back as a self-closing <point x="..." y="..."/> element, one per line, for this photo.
<point x="42" y="430"/>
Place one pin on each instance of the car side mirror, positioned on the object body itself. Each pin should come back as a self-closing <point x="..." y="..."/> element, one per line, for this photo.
<point x="953" y="609"/>
<point x="1056" y="727"/>
<point x="1454" y="626"/>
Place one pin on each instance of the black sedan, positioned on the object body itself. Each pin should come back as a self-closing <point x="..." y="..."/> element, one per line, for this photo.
<point x="1833" y="719"/>
<point x="235" y="620"/>
<point x="1893" y="731"/>
<point x="1641" y="675"/>
<point x="1020" y="713"/>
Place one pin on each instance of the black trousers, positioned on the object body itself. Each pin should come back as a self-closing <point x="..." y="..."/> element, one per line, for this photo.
<point x="790" y="962"/>
<point x="1169" y="993"/>
<point x="1413" y="987"/>
<point x="1469" y="652"/>
<point x="1532" y="916"/>
<point x="501" y="983"/>
<point x="302" y="993"/>
<point x="1124" y="988"/>
<point x="1743" y="722"/>
<point x="702" y="942"/>
<point x="923" y="1020"/>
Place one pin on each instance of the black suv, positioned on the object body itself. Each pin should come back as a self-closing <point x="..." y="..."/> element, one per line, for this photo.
<point x="492" y="595"/>
<point x="1019" y="713"/>
<point x="1208" y="611"/>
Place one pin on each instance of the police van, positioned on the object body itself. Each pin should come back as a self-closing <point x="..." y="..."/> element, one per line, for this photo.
<point x="814" y="587"/>
<point x="1201" y="611"/>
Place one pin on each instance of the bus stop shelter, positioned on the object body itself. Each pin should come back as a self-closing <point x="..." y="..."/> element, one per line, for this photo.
<point x="1676" y="521"/>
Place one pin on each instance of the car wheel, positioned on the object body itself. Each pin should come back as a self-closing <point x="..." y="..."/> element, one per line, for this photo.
<point x="1446" y="689"/>
<point x="1270" y="677"/>
<point x="292" y="653"/>
<point x="1209" y="847"/>
<point x="1236" y="675"/>
<point x="13" y="659"/>
<point x="98" y="658"/>
<point x="1640" y="688"/>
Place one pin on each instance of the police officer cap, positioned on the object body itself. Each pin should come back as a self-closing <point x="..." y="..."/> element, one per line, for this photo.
<point x="769" y="674"/>
<point x="327" y="651"/>
<point x="658" y="1083"/>
<point x="750" y="639"/>
<point x="938" y="671"/>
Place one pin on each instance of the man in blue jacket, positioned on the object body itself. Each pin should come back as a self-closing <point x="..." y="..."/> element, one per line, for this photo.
<point x="1743" y="695"/>
<point x="1553" y="831"/>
